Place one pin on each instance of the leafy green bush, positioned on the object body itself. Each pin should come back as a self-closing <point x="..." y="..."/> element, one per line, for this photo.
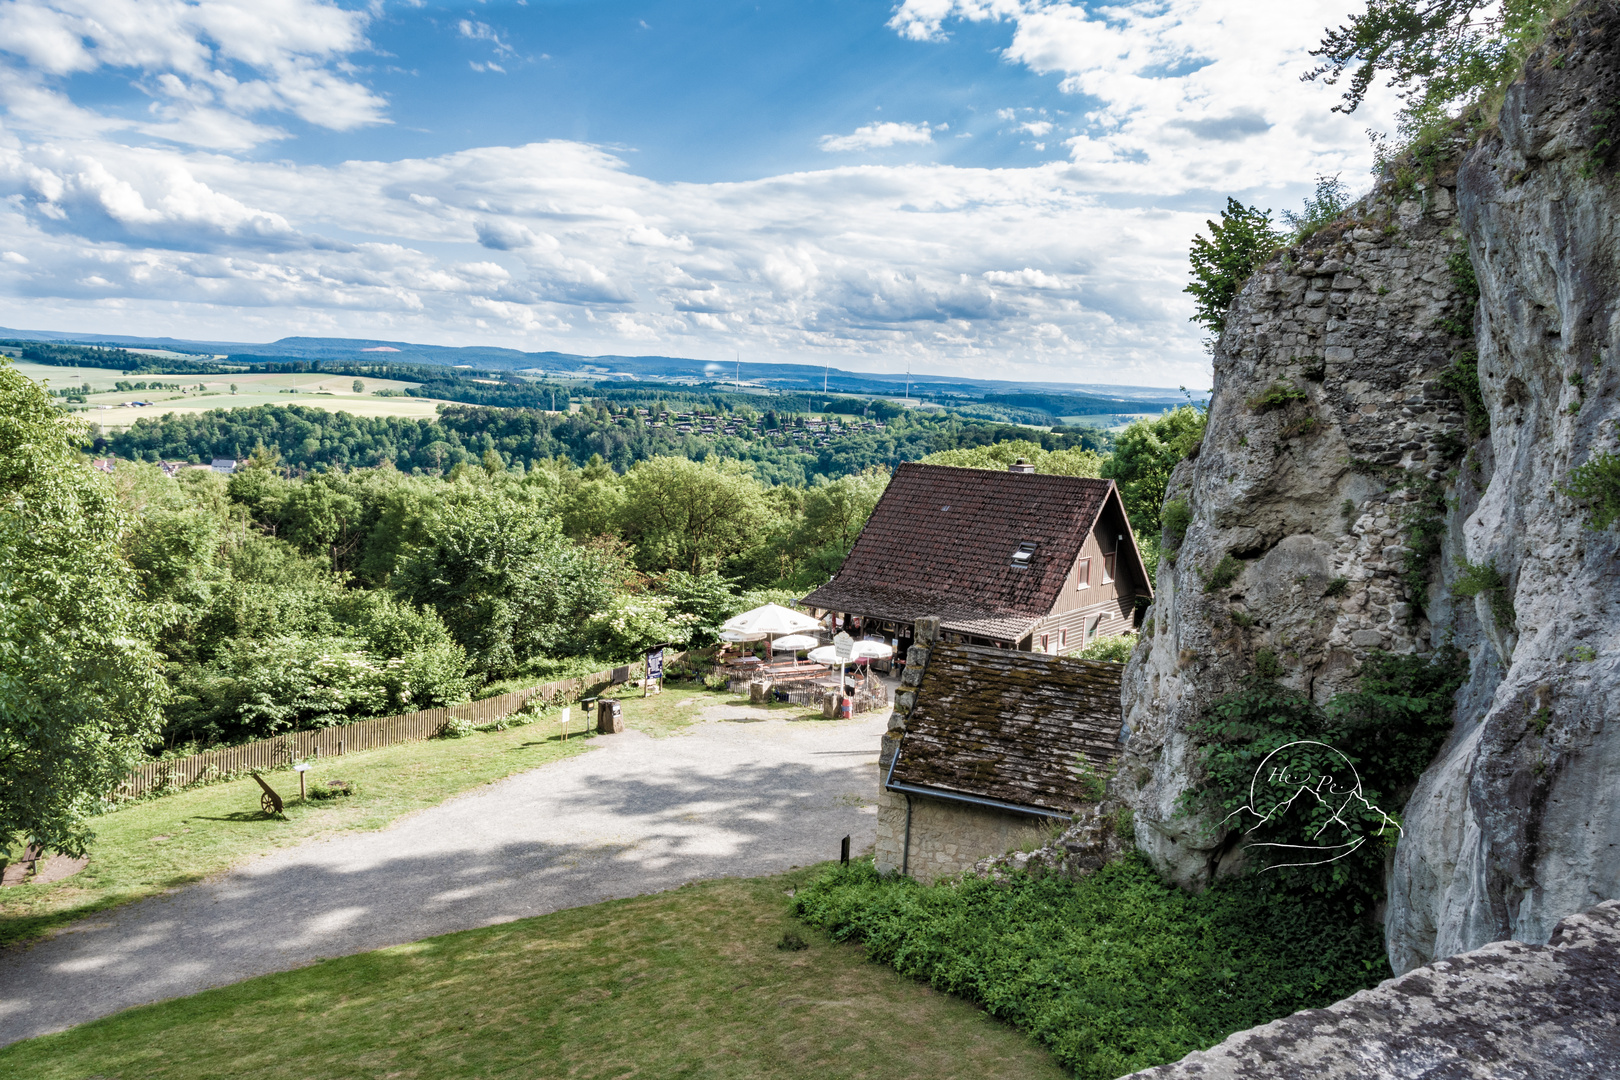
<point x="1597" y="484"/>
<point x="1238" y="244"/>
<point x="1390" y="729"/>
<point x="1115" y="972"/>
<point x="1485" y="580"/>
<point x="1177" y="518"/>
<point x="1115" y="648"/>
<point x="1332" y="198"/>
<point x="1266" y="665"/>
<point x="1279" y="395"/>
<point x="1225" y="572"/>
<point x="1145" y="454"/>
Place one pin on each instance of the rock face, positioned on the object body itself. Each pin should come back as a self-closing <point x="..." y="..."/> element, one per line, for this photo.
<point x="1327" y="425"/>
<point x="1508" y="1011"/>
<point x="1518" y="824"/>
<point x="1332" y="442"/>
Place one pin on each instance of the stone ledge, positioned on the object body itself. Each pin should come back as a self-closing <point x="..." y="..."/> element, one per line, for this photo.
<point x="1507" y="1011"/>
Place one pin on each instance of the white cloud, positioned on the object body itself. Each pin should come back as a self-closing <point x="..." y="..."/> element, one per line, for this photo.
<point x="559" y="245"/>
<point x="208" y="66"/>
<point x="1178" y="95"/>
<point x="877" y="136"/>
<point x="1032" y="272"/>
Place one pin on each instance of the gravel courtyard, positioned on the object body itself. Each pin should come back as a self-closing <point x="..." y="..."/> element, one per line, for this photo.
<point x="742" y="793"/>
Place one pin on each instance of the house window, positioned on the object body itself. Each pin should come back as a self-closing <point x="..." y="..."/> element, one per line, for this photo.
<point x="1108" y="568"/>
<point x="1046" y="643"/>
<point x="1063" y="638"/>
<point x="1021" y="557"/>
<point x="1082" y="574"/>
<point x="1091" y="626"/>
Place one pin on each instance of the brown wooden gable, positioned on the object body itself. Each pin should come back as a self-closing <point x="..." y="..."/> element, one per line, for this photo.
<point x="941" y="542"/>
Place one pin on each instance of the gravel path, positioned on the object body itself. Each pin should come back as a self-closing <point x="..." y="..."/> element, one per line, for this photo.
<point x="740" y="794"/>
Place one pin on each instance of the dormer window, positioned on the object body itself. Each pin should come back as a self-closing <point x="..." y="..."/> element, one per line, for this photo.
<point x="1021" y="557"/>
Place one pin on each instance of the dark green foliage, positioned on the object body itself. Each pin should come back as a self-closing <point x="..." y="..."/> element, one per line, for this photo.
<point x="311" y="438"/>
<point x="1115" y="972"/>
<point x="1597" y="484"/>
<point x="1485" y="580"/>
<point x="504" y="579"/>
<point x="1266" y="665"/>
<point x="1390" y="729"/>
<point x="1224" y="573"/>
<point x="80" y="680"/>
<point x="1424" y="521"/>
<point x="1279" y="395"/>
<point x="43" y="352"/>
<point x="792" y="942"/>
<point x="1339" y="586"/>
<point x="1176" y="516"/>
<point x="1237" y="246"/>
<point x="1331" y="199"/>
<point x="1144" y="456"/>
<point x="1440" y="51"/>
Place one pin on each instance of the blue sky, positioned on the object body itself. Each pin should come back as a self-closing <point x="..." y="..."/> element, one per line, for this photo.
<point x="969" y="186"/>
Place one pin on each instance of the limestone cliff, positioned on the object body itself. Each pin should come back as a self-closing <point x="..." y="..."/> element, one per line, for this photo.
<point x="1334" y="445"/>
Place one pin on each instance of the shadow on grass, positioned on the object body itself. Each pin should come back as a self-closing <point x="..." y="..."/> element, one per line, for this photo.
<point x="733" y="819"/>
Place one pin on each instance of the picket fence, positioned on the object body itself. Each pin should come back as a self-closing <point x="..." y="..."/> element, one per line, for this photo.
<point x="373" y="734"/>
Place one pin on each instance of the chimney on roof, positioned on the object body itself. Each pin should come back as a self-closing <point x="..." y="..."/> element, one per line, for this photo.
<point x="1021" y="466"/>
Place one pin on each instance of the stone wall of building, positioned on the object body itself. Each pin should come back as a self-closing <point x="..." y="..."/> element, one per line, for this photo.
<point x="948" y="837"/>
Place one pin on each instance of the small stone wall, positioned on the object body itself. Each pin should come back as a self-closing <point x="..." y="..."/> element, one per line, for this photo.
<point x="947" y="837"/>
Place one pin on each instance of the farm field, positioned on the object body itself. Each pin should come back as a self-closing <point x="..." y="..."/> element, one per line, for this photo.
<point x="334" y="392"/>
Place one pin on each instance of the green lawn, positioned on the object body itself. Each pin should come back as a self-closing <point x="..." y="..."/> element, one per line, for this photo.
<point x="686" y="983"/>
<point x="150" y="846"/>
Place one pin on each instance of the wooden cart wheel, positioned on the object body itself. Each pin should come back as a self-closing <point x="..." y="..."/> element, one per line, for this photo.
<point x="267" y="804"/>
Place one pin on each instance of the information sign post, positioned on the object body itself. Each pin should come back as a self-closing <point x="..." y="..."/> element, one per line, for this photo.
<point x="655" y="672"/>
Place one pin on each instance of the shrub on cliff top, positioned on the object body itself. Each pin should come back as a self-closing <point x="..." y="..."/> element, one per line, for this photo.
<point x="1115" y="972"/>
<point x="1238" y="244"/>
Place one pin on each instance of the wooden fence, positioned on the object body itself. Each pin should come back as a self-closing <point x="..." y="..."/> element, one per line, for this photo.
<point x="283" y="750"/>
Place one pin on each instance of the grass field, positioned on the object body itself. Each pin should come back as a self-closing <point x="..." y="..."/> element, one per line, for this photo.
<point x="147" y="847"/>
<point x="334" y="392"/>
<point x="686" y="983"/>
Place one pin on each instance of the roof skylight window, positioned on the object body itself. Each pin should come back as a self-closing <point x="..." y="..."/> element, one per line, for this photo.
<point x="1021" y="557"/>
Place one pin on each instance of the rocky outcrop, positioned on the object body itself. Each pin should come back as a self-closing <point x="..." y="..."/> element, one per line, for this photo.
<point x="1328" y="427"/>
<point x="1508" y="1011"/>
<point x="1518" y="823"/>
<point x="1334" y="445"/>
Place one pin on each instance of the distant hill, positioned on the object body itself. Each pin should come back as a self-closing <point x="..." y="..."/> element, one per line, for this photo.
<point x="1055" y="399"/>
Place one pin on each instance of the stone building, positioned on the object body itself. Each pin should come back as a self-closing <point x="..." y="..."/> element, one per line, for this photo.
<point x="987" y="749"/>
<point x="1009" y="559"/>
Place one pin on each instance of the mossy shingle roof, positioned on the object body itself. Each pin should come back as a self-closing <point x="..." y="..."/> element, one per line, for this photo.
<point x="1009" y="726"/>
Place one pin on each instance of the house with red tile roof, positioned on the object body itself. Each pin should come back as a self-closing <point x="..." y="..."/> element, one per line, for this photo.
<point x="1012" y="560"/>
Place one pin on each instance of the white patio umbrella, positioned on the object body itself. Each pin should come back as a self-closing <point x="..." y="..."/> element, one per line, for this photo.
<point x="863" y="650"/>
<point x="771" y="621"/>
<point x="796" y="642"/>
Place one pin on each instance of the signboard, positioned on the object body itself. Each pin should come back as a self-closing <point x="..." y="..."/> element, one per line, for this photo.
<point x="655" y="672"/>
<point x="843" y="646"/>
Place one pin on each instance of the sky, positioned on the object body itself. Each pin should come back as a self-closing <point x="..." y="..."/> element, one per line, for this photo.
<point x="994" y="188"/>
